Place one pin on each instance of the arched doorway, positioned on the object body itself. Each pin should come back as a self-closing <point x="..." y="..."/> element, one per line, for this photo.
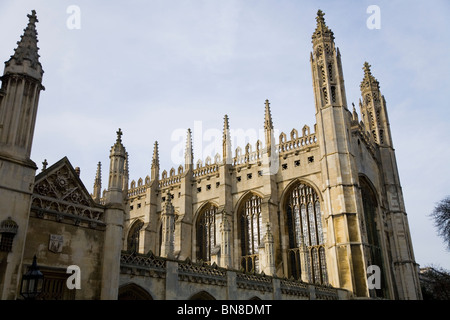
<point x="132" y="291"/>
<point x="202" y="295"/>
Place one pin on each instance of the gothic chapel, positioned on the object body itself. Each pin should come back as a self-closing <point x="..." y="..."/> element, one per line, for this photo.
<point x="317" y="213"/>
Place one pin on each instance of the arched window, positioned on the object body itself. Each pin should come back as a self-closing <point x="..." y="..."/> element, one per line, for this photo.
<point x="206" y="232"/>
<point x="250" y="222"/>
<point x="134" y="235"/>
<point x="306" y="253"/>
<point x="374" y="256"/>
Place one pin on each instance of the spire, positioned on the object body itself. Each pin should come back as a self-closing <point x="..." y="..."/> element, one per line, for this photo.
<point x="226" y="141"/>
<point x="189" y="153"/>
<point x="98" y="183"/>
<point x="322" y="29"/>
<point x="27" y="50"/>
<point x="155" y="162"/>
<point x="268" y="124"/>
<point x="369" y="80"/>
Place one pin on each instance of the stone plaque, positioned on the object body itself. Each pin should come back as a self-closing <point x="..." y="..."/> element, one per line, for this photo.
<point x="55" y="244"/>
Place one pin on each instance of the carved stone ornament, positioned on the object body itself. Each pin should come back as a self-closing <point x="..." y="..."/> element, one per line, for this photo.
<point x="55" y="243"/>
<point x="59" y="193"/>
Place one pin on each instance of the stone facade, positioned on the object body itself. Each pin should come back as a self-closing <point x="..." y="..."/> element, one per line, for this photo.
<point x="306" y="215"/>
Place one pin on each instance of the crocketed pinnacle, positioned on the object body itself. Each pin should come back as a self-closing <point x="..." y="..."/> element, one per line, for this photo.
<point x="27" y="48"/>
<point x="98" y="174"/>
<point x="155" y="159"/>
<point x="189" y="153"/>
<point x="98" y="182"/>
<point x="368" y="80"/>
<point x="226" y="126"/>
<point x="226" y="141"/>
<point x="321" y="29"/>
<point x="268" y="124"/>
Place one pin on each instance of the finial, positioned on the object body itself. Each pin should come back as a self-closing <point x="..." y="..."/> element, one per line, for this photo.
<point x="32" y="17"/>
<point x="320" y="15"/>
<point x="119" y="135"/>
<point x="44" y="164"/>
<point x="366" y="68"/>
<point x="321" y="28"/>
<point x="368" y="79"/>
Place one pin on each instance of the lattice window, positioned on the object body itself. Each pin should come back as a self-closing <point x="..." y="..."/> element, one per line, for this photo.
<point x="330" y="71"/>
<point x="333" y="94"/>
<point x="306" y="237"/>
<point x="325" y="94"/>
<point x="250" y="233"/>
<point x="206" y="233"/>
<point x="55" y="286"/>
<point x="6" y="242"/>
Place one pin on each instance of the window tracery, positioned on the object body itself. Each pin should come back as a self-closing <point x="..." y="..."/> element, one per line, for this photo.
<point x="306" y="237"/>
<point x="206" y="232"/>
<point x="250" y="233"/>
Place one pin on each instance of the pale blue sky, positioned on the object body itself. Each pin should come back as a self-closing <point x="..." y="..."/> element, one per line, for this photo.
<point x="156" y="68"/>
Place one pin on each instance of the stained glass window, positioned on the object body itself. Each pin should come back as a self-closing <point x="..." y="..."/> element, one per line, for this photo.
<point x="251" y="236"/>
<point x="305" y="230"/>
<point x="206" y="232"/>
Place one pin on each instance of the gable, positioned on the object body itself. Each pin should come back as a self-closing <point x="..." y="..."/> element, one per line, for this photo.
<point x="59" y="191"/>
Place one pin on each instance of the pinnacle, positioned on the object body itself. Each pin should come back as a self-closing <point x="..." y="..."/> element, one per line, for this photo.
<point x="155" y="161"/>
<point x="368" y="79"/>
<point x="98" y="174"/>
<point x="27" y="48"/>
<point x="321" y="28"/>
<point x="268" y="124"/>
<point x="189" y="154"/>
